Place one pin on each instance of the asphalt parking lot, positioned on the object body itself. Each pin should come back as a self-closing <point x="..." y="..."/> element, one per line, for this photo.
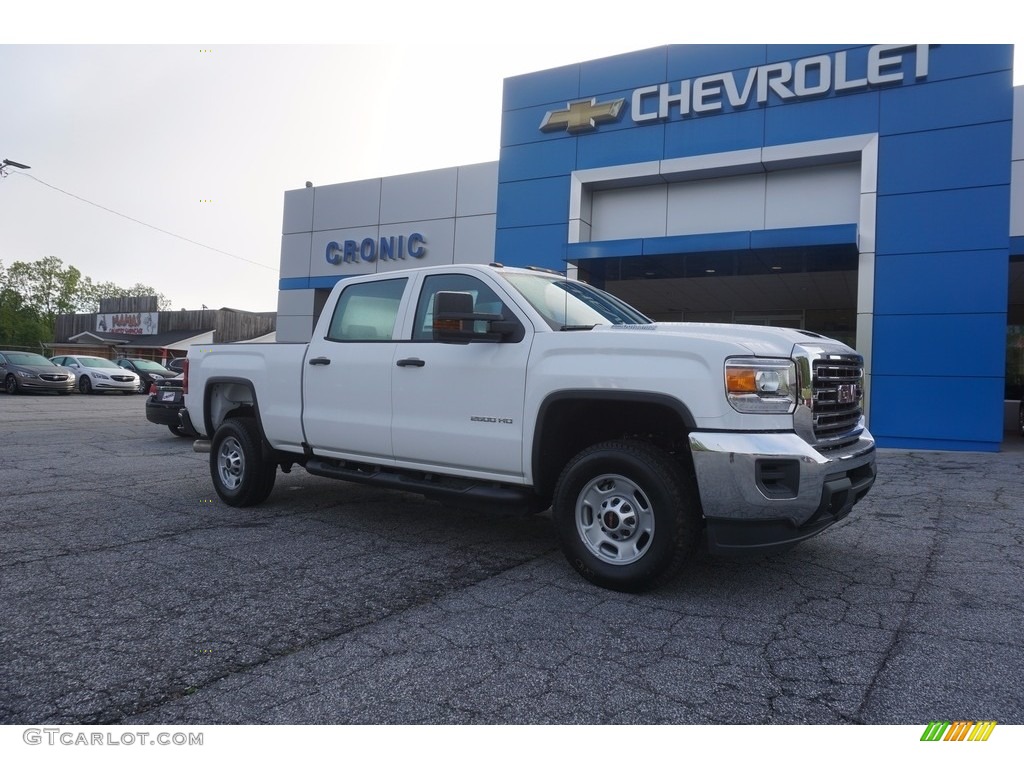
<point x="132" y="595"/>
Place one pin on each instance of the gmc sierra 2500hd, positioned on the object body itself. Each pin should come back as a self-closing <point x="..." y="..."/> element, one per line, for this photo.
<point x="486" y="384"/>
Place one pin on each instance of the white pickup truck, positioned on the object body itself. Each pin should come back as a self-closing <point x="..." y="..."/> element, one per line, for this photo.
<point x="491" y="385"/>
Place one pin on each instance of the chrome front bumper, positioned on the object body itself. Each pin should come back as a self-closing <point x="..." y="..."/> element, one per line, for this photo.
<point x="768" y="491"/>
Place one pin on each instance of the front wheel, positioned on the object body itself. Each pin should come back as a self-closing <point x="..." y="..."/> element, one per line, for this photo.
<point x="85" y="386"/>
<point x="627" y="515"/>
<point x="241" y="476"/>
<point x="143" y="387"/>
<point x="11" y="385"/>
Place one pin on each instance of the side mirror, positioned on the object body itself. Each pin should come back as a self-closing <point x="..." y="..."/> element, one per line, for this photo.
<point x="455" y="322"/>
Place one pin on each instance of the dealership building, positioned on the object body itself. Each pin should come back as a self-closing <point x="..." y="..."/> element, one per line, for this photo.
<point x="871" y="193"/>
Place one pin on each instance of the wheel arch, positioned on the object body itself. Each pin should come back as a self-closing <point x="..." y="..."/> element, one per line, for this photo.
<point x="570" y="420"/>
<point x="228" y="397"/>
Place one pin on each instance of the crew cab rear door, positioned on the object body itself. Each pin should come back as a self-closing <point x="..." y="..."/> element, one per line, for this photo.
<point x="347" y="373"/>
<point x="458" y="408"/>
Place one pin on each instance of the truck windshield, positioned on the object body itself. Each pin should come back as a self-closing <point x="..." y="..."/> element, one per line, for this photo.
<point x="569" y="305"/>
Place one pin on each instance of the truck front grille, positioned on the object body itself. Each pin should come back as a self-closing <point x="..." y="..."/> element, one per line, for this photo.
<point x="838" y="396"/>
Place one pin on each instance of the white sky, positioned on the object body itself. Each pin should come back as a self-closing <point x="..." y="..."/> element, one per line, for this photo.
<point x="192" y="123"/>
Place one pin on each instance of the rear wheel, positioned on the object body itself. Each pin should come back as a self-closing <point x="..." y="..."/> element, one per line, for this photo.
<point x="627" y="515"/>
<point x="241" y="476"/>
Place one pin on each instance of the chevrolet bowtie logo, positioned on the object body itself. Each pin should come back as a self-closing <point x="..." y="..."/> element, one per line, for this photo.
<point x="580" y="116"/>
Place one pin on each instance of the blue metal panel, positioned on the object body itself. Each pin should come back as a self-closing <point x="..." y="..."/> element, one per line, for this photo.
<point x="971" y="156"/>
<point x="606" y="148"/>
<point x="936" y="283"/>
<point x="530" y="161"/>
<point x="955" y="220"/>
<point x="522" y="126"/>
<point x="954" y="61"/>
<point x="687" y="61"/>
<point x="532" y="246"/>
<point x="947" y="103"/>
<point x="604" y="249"/>
<point x="845" y="115"/>
<point x="791" y="52"/>
<point x="300" y="283"/>
<point x="716" y="133"/>
<point x="944" y="414"/>
<point x="833" y="234"/>
<point x="717" y="241"/>
<point x="923" y="444"/>
<point x="534" y="202"/>
<point x="628" y="71"/>
<point x="940" y="345"/>
<point x="541" y="87"/>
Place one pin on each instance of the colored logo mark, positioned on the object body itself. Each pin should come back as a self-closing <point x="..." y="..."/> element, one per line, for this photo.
<point x="583" y="115"/>
<point x="959" y="730"/>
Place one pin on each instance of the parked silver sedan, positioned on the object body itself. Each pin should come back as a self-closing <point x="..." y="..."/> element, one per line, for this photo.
<point x="97" y="374"/>
<point x="28" y="371"/>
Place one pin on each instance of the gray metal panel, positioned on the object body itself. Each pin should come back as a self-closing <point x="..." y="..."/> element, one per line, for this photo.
<point x="298" y="302"/>
<point x="632" y="212"/>
<point x="294" y="327"/>
<point x="474" y="239"/>
<point x="1017" y="198"/>
<point x="419" y="196"/>
<point x="1017" y="153"/>
<point x="295" y="255"/>
<point x="477" y="190"/>
<point x="440" y="244"/>
<point x="808" y="197"/>
<point x="318" y="264"/>
<point x="728" y="204"/>
<point x="342" y="206"/>
<point x="298" y="211"/>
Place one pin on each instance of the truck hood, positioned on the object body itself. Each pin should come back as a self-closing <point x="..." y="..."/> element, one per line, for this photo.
<point x="759" y="340"/>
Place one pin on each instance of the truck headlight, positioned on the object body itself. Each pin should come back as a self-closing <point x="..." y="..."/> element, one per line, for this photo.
<point x="760" y="385"/>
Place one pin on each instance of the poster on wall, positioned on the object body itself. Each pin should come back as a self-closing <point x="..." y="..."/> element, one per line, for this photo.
<point x="130" y="323"/>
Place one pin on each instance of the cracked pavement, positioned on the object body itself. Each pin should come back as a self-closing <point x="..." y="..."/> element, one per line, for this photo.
<point x="132" y="595"/>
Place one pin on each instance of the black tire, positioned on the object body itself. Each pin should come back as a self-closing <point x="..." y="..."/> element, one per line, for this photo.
<point x="142" y="389"/>
<point x="85" y="386"/>
<point x="241" y="476"/>
<point x="11" y="384"/>
<point x="627" y="515"/>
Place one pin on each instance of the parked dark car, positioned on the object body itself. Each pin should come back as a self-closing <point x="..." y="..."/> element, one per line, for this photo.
<point x="147" y="370"/>
<point x="176" y="364"/>
<point x="165" y="399"/>
<point x="27" y="371"/>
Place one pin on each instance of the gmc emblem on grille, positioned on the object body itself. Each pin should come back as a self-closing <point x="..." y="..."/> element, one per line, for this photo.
<point x="846" y="393"/>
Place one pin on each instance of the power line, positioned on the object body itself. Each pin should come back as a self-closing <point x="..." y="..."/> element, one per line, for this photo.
<point x="137" y="221"/>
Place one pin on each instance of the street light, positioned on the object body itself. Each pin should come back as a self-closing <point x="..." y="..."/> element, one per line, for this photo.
<point x="11" y="164"/>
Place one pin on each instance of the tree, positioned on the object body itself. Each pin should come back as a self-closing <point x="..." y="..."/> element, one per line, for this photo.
<point x="45" y="286"/>
<point x="91" y="293"/>
<point x="33" y="293"/>
<point x="20" y="326"/>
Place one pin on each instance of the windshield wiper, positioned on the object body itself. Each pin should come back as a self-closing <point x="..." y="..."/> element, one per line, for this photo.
<point x="578" y="327"/>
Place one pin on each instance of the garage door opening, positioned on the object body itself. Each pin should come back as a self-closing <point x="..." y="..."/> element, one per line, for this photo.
<point x="813" y="288"/>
